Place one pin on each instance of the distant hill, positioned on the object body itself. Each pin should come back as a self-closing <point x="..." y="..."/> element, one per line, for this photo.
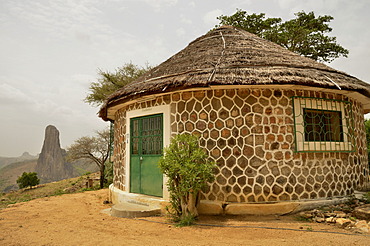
<point x="10" y="172"/>
<point x="50" y="165"/>
<point x="4" y="161"/>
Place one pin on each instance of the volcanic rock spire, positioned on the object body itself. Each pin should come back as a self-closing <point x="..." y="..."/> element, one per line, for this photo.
<point x="51" y="165"/>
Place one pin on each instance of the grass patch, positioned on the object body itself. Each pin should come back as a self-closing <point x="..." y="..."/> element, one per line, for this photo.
<point x="366" y="197"/>
<point x="303" y="219"/>
<point x="186" y="221"/>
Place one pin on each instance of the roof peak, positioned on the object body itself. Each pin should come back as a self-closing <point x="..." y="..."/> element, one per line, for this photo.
<point x="231" y="56"/>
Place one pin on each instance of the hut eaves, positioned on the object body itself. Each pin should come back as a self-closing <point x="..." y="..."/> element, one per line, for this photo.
<point x="231" y="56"/>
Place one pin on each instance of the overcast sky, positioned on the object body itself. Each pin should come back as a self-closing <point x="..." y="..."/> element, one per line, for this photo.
<point x="51" y="50"/>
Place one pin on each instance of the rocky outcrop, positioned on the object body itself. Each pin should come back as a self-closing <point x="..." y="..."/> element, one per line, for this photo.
<point x="51" y="164"/>
<point x="353" y="215"/>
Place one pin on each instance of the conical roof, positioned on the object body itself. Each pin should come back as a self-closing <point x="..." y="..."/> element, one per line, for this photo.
<point x="231" y="56"/>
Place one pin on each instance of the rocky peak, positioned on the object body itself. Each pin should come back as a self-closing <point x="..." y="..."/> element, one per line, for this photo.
<point x="51" y="164"/>
<point x="26" y="155"/>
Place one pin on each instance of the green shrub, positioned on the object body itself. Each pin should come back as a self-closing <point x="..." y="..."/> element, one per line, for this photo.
<point x="28" y="179"/>
<point x="108" y="174"/>
<point x="188" y="170"/>
<point x="366" y="197"/>
<point x="186" y="220"/>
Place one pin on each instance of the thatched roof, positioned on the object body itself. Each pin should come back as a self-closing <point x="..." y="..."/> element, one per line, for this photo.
<point x="231" y="56"/>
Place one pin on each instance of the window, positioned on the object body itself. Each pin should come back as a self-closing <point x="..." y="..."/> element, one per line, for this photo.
<point x="323" y="125"/>
<point x="147" y="135"/>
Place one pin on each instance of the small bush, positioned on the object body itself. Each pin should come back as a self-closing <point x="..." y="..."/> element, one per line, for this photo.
<point x="28" y="180"/>
<point x="366" y="198"/>
<point x="108" y="174"/>
<point x="188" y="170"/>
<point x="186" y="220"/>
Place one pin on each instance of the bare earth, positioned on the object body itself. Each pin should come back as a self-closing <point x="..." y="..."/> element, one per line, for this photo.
<point x="76" y="219"/>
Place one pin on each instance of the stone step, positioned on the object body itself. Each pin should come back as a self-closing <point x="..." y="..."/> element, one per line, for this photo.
<point x="362" y="212"/>
<point x="134" y="210"/>
<point x="359" y="194"/>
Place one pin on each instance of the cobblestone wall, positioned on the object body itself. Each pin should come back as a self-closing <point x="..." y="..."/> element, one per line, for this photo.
<point x="250" y="134"/>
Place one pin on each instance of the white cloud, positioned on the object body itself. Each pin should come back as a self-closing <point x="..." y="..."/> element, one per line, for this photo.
<point x="180" y="32"/>
<point x="320" y="7"/>
<point x="240" y="3"/>
<point x="210" y="18"/>
<point x="83" y="79"/>
<point x="10" y="95"/>
<point x="285" y="4"/>
<point x="185" y="20"/>
<point x="158" y="5"/>
<point x="61" y="19"/>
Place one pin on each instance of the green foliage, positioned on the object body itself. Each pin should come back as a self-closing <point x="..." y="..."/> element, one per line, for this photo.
<point x="108" y="174"/>
<point x="186" y="220"/>
<point x="253" y="23"/>
<point x="305" y="35"/>
<point x="366" y="198"/>
<point x="109" y="82"/>
<point x="188" y="170"/>
<point x="301" y="218"/>
<point x="28" y="180"/>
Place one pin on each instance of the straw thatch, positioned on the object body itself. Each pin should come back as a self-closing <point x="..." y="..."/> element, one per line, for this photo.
<point x="231" y="56"/>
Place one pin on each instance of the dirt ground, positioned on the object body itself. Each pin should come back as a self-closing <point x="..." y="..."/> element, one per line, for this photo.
<point x="77" y="219"/>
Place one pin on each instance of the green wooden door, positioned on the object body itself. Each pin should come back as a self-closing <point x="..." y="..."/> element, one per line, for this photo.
<point x="146" y="149"/>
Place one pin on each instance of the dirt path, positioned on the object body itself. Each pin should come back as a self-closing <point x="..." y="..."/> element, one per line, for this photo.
<point x="76" y="219"/>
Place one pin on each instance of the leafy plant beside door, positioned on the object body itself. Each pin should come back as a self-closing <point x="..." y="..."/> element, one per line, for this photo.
<point x="188" y="170"/>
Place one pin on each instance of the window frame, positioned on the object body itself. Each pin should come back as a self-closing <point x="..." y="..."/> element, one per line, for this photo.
<point x="300" y="104"/>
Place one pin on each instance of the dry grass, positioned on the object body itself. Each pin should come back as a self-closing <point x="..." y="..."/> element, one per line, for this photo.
<point x="57" y="188"/>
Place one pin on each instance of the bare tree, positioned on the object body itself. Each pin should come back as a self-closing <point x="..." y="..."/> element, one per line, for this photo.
<point x="95" y="148"/>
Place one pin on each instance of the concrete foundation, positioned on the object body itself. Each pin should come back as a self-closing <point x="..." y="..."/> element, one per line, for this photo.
<point x="137" y="205"/>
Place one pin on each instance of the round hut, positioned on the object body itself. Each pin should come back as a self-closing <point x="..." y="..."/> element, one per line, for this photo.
<point x="283" y="129"/>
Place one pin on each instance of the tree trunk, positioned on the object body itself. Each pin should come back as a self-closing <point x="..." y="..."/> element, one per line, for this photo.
<point x="192" y="204"/>
<point x="102" y="167"/>
<point x="189" y="205"/>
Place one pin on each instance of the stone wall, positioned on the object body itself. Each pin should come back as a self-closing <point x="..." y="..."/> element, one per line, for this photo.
<point x="250" y="134"/>
<point x="119" y="150"/>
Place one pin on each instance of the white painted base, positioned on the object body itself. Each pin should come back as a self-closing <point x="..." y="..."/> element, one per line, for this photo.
<point x="118" y="196"/>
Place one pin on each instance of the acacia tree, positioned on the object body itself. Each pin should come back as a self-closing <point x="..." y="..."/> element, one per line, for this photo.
<point x="305" y="35"/>
<point x="109" y="82"/>
<point x="95" y="148"/>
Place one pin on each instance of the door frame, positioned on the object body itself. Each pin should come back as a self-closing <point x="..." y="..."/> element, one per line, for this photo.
<point x="165" y="111"/>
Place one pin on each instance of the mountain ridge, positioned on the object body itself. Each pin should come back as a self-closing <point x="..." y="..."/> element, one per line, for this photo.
<point x="4" y="161"/>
